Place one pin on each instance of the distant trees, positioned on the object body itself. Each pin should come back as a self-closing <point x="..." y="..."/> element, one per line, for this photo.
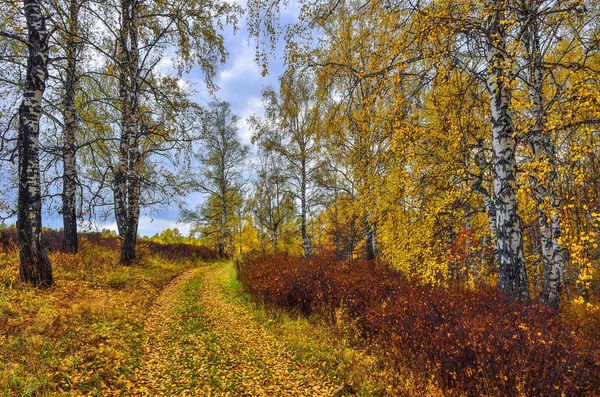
<point x="290" y="129"/>
<point x="272" y="204"/>
<point x="456" y="135"/>
<point x="222" y="158"/>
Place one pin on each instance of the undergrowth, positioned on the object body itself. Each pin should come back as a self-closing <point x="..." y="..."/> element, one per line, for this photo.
<point x="451" y="341"/>
<point x="83" y="335"/>
<point x="331" y="346"/>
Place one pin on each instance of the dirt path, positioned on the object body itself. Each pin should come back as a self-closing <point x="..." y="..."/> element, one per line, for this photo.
<point x="201" y="342"/>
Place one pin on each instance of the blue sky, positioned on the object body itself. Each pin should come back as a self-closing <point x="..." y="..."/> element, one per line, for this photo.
<point x="240" y="82"/>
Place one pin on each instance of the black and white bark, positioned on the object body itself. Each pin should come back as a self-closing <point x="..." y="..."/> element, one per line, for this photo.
<point x="121" y="171"/>
<point x="545" y="181"/>
<point x="128" y="173"/>
<point x="69" y="212"/>
<point x="306" y="240"/>
<point x="509" y="234"/>
<point x="35" y="267"/>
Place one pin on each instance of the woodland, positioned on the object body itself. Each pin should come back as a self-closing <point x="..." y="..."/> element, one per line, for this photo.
<point x="417" y="213"/>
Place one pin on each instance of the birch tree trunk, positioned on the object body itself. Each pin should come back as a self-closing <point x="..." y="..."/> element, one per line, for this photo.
<point x="70" y="242"/>
<point x="509" y="234"/>
<point x="35" y="266"/>
<point x="223" y="226"/>
<point x="133" y="206"/>
<point x="553" y="254"/>
<point x="128" y="173"/>
<point x="306" y="245"/>
<point x="223" y="190"/>
<point x="120" y="178"/>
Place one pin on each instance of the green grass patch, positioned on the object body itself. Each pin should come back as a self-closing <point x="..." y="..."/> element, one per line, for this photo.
<point x="83" y="335"/>
<point x="325" y="343"/>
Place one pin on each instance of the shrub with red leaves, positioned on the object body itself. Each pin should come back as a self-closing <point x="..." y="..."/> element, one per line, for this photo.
<point x="473" y="342"/>
<point x="52" y="240"/>
<point x="176" y="251"/>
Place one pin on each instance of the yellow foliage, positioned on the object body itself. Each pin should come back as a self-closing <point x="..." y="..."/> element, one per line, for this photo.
<point x="82" y="336"/>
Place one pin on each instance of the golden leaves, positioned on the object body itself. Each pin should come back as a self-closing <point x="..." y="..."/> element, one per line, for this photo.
<point x="82" y="336"/>
<point x="202" y="342"/>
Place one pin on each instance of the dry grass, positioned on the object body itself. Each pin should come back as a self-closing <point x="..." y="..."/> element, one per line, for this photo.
<point x="83" y="335"/>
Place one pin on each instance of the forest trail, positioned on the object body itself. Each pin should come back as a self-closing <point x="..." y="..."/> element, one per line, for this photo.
<point x="201" y="341"/>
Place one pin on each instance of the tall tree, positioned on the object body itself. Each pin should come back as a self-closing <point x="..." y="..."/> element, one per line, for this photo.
<point x="509" y="232"/>
<point x="35" y="266"/>
<point x="127" y="181"/>
<point x="222" y="159"/>
<point x="290" y="128"/>
<point x="70" y="83"/>
<point x="481" y="41"/>
<point x="146" y="29"/>
<point x="545" y="190"/>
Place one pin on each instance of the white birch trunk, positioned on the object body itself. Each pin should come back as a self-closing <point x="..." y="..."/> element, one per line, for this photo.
<point x="70" y="242"/>
<point x="306" y="244"/>
<point x="509" y="235"/>
<point x="553" y="254"/>
<point x="128" y="174"/>
<point x="120" y="178"/>
<point x="35" y="266"/>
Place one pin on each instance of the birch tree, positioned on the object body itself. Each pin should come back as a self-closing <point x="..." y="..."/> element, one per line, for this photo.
<point x="272" y="203"/>
<point x="481" y="41"/>
<point x="542" y="148"/>
<point x="72" y="45"/>
<point x="35" y="266"/>
<point x="222" y="158"/>
<point x="290" y="128"/>
<point x="509" y="233"/>
<point x="144" y="31"/>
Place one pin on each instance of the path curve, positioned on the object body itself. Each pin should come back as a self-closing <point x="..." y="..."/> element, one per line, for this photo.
<point x="201" y="342"/>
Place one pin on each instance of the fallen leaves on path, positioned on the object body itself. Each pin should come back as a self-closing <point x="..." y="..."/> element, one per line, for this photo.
<point x="202" y="343"/>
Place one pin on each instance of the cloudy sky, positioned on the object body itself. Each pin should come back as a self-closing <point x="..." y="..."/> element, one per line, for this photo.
<point x="240" y="82"/>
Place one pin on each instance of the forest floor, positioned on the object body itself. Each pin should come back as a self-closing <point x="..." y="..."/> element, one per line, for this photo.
<point x="201" y="339"/>
<point x="171" y="325"/>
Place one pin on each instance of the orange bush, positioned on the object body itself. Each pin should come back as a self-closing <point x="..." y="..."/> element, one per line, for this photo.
<point x="471" y="342"/>
<point x="52" y="240"/>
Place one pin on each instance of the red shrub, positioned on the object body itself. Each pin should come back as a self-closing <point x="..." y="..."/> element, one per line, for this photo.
<point x="176" y="251"/>
<point x="472" y="342"/>
<point x="52" y="240"/>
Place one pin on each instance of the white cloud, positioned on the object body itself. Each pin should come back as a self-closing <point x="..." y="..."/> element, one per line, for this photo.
<point x="182" y="84"/>
<point x="165" y="65"/>
<point x="253" y="106"/>
<point x="244" y="66"/>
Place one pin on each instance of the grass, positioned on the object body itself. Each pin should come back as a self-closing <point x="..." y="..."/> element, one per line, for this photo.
<point x="86" y="335"/>
<point x="83" y="335"/>
<point x="336" y="350"/>
<point x="215" y="346"/>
